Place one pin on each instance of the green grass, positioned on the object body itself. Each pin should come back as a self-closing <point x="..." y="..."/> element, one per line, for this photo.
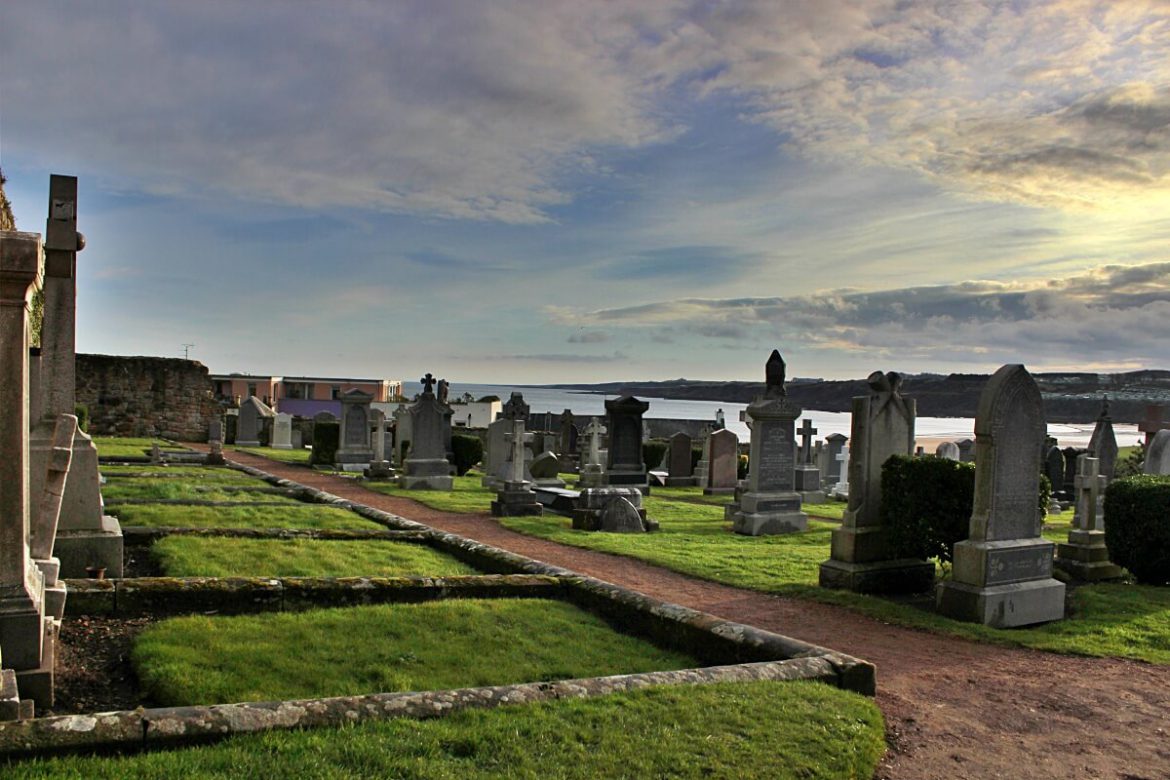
<point x="730" y="730"/>
<point x="194" y="474"/>
<point x="295" y="516"/>
<point x="467" y="496"/>
<point x="201" y="557"/>
<point x="396" y="647"/>
<point x="298" y="457"/>
<point x="186" y="490"/>
<point x="128" y="447"/>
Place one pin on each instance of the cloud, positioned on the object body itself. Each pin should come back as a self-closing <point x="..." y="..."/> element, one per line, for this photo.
<point x="559" y="357"/>
<point x="681" y="261"/>
<point x="588" y="337"/>
<point x="1110" y="314"/>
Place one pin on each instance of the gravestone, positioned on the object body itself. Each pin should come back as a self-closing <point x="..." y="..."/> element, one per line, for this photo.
<point x="496" y="454"/>
<point x="862" y="558"/>
<point x="600" y="509"/>
<point x="723" y="471"/>
<point x="515" y="408"/>
<point x="771" y="505"/>
<point x="1158" y="454"/>
<point x="1155" y="421"/>
<point x="1002" y="573"/>
<point x="46" y="513"/>
<point x="545" y="469"/>
<point x="86" y="536"/>
<point x="1068" y="482"/>
<point x="401" y="435"/>
<point x="593" y="470"/>
<point x="1085" y="556"/>
<point x="841" y="486"/>
<point x="830" y="466"/>
<point x="1054" y="470"/>
<point x="426" y="465"/>
<point x="808" y="474"/>
<point x="1103" y="444"/>
<point x="624" y="423"/>
<point x="354" y="452"/>
<point x="568" y="436"/>
<point x="948" y="450"/>
<point x="379" y="467"/>
<point x="703" y="467"/>
<point x="253" y="418"/>
<point x="679" y="471"/>
<point x="27" y="634"/>
<point x="215" y="443"/>
<point x="282" y="431"/>
<point x="516" y="497"/>
<point x="967" y="452"/>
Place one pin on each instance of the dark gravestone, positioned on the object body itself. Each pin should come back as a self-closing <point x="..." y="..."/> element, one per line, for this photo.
<point x="624" y="423"/>
<point x="723" y="466"/>
<point x="1103" y="444"/>
<point x="679" y="464"/>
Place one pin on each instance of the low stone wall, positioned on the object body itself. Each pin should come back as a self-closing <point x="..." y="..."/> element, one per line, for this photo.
<point x="146" y="396"/>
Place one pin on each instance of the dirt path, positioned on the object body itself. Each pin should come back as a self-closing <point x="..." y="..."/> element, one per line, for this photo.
<point x="953" y="708"/>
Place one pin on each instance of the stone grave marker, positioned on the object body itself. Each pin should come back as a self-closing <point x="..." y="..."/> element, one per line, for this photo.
<point x="251" y="423"/>
<point x="598" y="510"/>
<point x="830" y="467"/>
<point x="1103" y="443"/>
<point x="861" y="558"/>
<point x="1085" y="555"/>
<point x="841" y="486"/>
<point x="967" y="451"/>
<point x="1158" y="454"/>
<point x="679" y="471"/>
<point x="702" y="469"/>
<point x="354" y="451"/>
<point x="379" y="467"/>
<point x="624" y="423"/>
<point x="515" y="408"/>
<point x="47" y="514"/>
<point x="282" y="431"/>
<point x="808" y="474"/>
<point x="593" y="471"/>
<point x="426" y="464"/>
<point x="215" y="443"/>
<point x="948" y="450"/>
<point x="1002" y="573"/>
<point x="516" y="497"/>
<point x="723" y="472"/>
<point x="1154" y="422"/>
<point x="1054" y="470"/>
<point x="545" y="469"/>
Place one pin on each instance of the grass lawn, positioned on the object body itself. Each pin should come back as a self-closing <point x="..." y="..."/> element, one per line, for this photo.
<point x="186" y="490"/>
<point x="199" y="557"/>
<point x="466" y="496"/>
<point x="128" y="447"/>
<point x="729" y="730"/>
<point x="299" y="457"/>
<point x="395" y="647"/>
<point x="297" y="515"/>
<point x="194" y="474"/>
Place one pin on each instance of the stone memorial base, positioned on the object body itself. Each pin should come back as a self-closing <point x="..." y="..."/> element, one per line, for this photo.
<point x="593" y="512"/>
<point x="81" y="549"/>
<point x="718" y="491"/>
<point x="591" y="477"/>
<point x="1085" y="557"/>
<point x="682" y="481"/>
<point x="282" y="446"/>
<point x="426" y="475"/>
<point x="55" y="592"/>
<point x="36" y="684"/>
<point x="906" y="575"/>
<point x="247" y="442"/>
<point x="516" y="500"/>
<point x="548" y="482"/>
<point x="1002" y="584"/>
<point x="812" y="497"/>
<point x="767" y="514"/>
<point x="379" y="470"/>
<point x="348" y="457"/>
<point x="634" y="479"/>
<point x="10" y="704"/>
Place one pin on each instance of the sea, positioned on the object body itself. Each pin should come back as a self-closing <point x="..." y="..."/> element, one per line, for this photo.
<point x="547" y="399"/>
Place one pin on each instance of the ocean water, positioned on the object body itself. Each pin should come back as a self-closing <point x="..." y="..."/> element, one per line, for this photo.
<point x="542" y="399"/>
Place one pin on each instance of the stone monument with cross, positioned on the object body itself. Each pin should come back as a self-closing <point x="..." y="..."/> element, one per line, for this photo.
<point x="516" y="497"/>
<point x="841" y="486"/>
<point x="426" y="464"/>
<point x="379" y="467"/>
<point x="862" y="558"/>
<point x="770" y="504"/>
<point x="1084" y="556"/>
<point x="354" y="451"/>
<point x="808" y="474"/>
<point x="1002" y="573"/>
<point x="593" y="470"/>
<point x="86" y="536"/>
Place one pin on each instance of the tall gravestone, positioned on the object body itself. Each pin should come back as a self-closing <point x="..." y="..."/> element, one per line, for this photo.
<point x="567" y="442"/>
<point x="862" y="559"/>
<point x="252" y="422"/>
<point x="86" y="537"/>
<point x="426" y="466"/>
<point x="680" y="472"/>
<point x="354" y="451"/>
<point x="1085" y="556"/>
<point x="379" y="467"/>
<point x="967" y="450"/>
<point x="1002" y="573"/>
<point x="516" y="497"/>
<point x="808" y="473"/>
<point x="770" y="504"/>
<point x="1158" y="454"/>
<point x="703" y="467"/>
<point x="723" y="466"/>
<point x="828" y="461"/>
<point x="282" y="431"/>
<point x="401" y="434"/>
<point x="44" y="516"/>
<point x="841" y="486"/>
<point x="214" y="443"/>
<point x="1054" y="470"/>
<point x="1103" y="444"/>
<point x="26" y="633"/>
<point x="593" y="471"/>
<point x="624" y="422"/>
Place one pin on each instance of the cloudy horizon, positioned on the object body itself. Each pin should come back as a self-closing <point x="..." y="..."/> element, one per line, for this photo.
<point x="539" y="192"/>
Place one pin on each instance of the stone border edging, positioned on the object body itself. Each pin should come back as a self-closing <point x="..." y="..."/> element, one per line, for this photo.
<point x="147" y="534"/>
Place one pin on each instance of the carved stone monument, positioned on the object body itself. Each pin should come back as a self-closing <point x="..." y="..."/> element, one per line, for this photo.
<point x="1158" y="454"/>
<point x="354" y="452"/>
<point x="379" y="467"/>
<point x="723" y="467"/>
<point x="1002" y="573"/>
<point x="253" y="422"/>
<point x="426" y="465"/>
<point x="680" y="472"/>
<point x="808" y="474"/>
<point x="593" y="471"/>
<point x="770" y="504"/>
<point x="1103" y="444"/>
<point x="214" y="443"/>
<point x="516" y="497"/>
<point x="862" y="559"/>
<point x="624" y="422"/>
<point x="1085" y="556"/>
<point x="282" y="431"/>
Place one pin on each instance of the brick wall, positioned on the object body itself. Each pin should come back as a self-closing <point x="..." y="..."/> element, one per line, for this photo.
<point x="145" y="396"/>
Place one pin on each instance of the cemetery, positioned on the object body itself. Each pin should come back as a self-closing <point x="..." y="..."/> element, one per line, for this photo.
<point x="398" y="573"/>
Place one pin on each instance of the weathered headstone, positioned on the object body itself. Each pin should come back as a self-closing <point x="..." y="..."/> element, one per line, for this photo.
<point x="1085" y="555"/>
<point x="948" y="450"/>
<point x="862" y="558"/>
<point x="593" y="471"/>
<point x="515" y="408"/>
<point x="624" y="423"/>
<point x="568" y="436"/>
<point x="830" y="467"/>
<point x="679" y="469"/>
<point x="379" y="467"/>
<point x="401" y="435"/>
<point x="967" y="450"/>
<point x="215" y="443"/>
<point x="1054" y="470"/>
<point x="807" y="473"/>
<point x="86" y="537"/>
<point x="1068" y="483"/>
<point x="703" y="467"/>
<point x="771" y="505"/>
<point x="545" y="469"/>
<point x="723" y="472"/>
<point x="282" y="431"/>
<point x="354" y="452"/>
<point x="1158" y="454"/>
<point x="516" y="497"/>
<point x="254" y="416"/>
<point x="426" y="465"/>
<point x="601" y="509"/>
<point x="46" y="515"/>
<point x="1103" y="443"/>
<point x="841" y="486"/>
<point x="1002" y="573"/>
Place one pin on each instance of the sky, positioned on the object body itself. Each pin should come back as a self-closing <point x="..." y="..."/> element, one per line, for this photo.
<point x="541" y="191"/>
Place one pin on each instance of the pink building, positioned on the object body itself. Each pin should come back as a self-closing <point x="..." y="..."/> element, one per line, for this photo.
<point x="301" y="395"/>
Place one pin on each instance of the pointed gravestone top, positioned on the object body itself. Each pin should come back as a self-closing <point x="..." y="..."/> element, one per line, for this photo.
<point x="1103" y="444"/>
<point x="516" y="408"/>
<point x="774" y="375"/>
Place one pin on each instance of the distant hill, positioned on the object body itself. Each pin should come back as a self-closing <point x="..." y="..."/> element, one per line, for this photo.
<point x="1068" y="397"/>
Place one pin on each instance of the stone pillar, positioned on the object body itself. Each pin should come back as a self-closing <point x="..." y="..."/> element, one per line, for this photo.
<point x="1085" y="555"/>
<point x="841" y="487"/>
<point x="771" y="505"/>
<point x="85" y="536"/>
<point x="861" y="559"/>
<point x="22" y="586"/>
<point x="1002" y="573"/>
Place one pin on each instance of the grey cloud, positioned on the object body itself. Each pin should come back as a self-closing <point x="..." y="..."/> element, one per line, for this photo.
<point x="588" y="337"/>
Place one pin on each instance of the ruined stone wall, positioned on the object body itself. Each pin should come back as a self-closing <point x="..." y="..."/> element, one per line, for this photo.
<point x="146" y="396"/>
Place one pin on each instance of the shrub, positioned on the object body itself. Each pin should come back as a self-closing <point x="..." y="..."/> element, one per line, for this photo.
<point x="741" y="467"/>
<point x="653" y="452"/>
<point x="326" y="438"/>
<point x="466" y="451"/>
<point x="82" y="412"/>
<point x="1137" y="528"/>
<point x="1045" y="494"/>
<point x="1131" y="463"/>
<point x="926" y="504"/>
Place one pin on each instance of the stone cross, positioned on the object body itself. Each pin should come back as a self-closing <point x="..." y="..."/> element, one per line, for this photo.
<point x="594" y="430"/>
<point x="518" y="438"/>
<point x="806" y="431"/>
<point x="842" y="486"/>
<point x="1089" y="487"/>
<point x="428" y="383"/>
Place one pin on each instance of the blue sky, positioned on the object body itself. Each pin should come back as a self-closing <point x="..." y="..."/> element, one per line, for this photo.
<point x="587" y="191"/>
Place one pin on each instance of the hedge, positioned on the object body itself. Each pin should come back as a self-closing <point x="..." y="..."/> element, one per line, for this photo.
<point x="1137" y="526"/>
<point x="466" y="451"/>
<point x="326" y="438"/>
<point x="926" y="504"/>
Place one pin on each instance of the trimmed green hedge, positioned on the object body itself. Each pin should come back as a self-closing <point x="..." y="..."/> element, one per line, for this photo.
<point x="653" y="452"/>
<point x="466" y="451"/>
<point x="326" y="439"/>
<point x="926" y="504"/>
<point x="1137" y="527"/>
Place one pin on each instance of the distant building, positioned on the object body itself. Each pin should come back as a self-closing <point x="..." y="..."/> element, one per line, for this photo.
<point x="303" y="396"/>
<point x="470" y="413"/>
